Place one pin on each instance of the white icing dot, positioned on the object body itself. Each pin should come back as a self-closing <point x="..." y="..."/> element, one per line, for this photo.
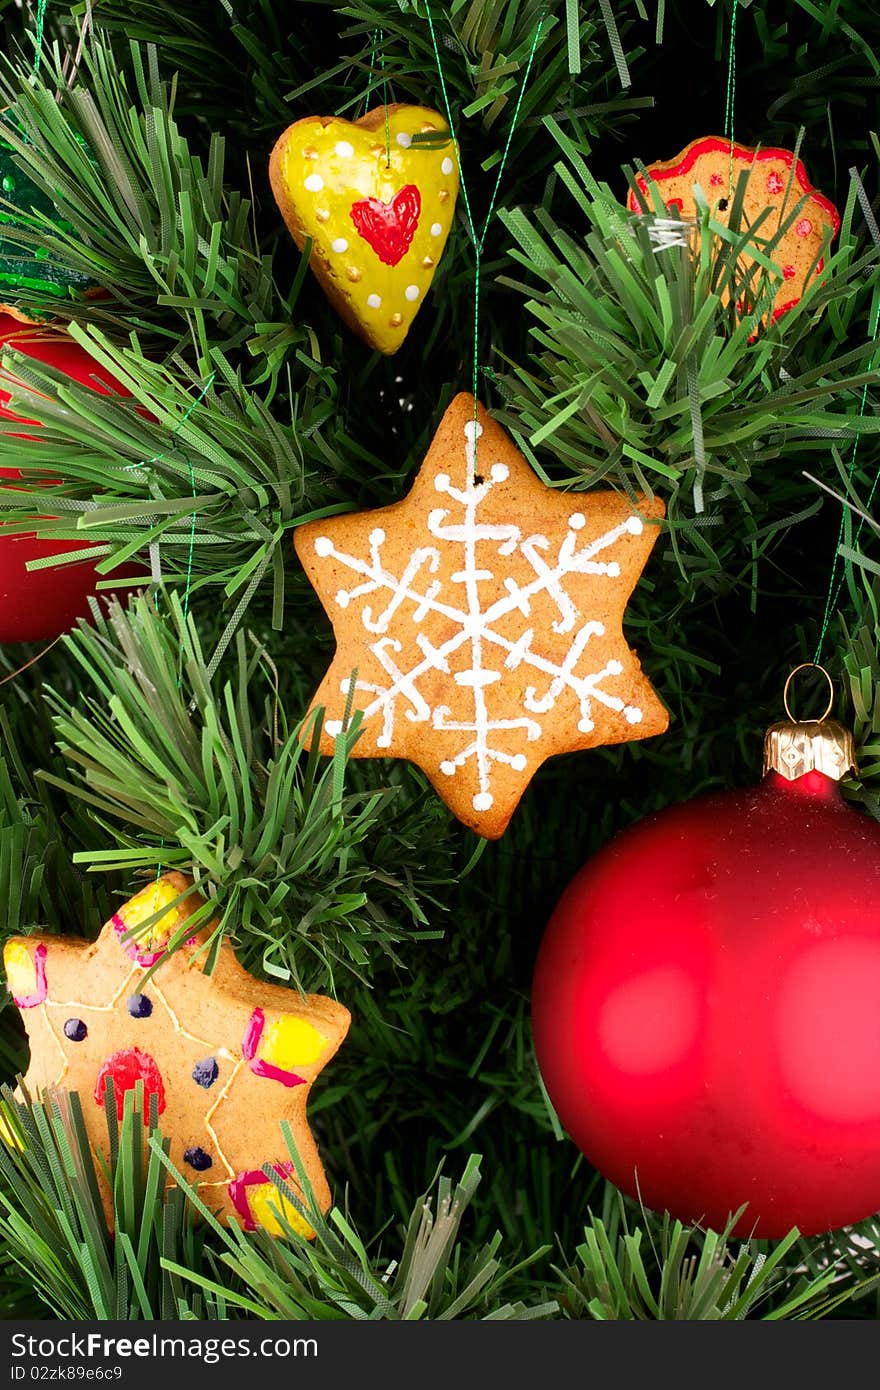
<point x="447" y="167"/>
<point x="344" y="149"/>
<point x="374" y="301"/>
<point x="634" y="526"/>
<point x="323" y="545"/>
<point x="614" y="668"/>
<point x="472" y="430"/>
<point x="633" y="715"/>
<point x="340" y="244"/>
<point x="436" y="229"/>
<point x="345" y="685"/>
<point x="577" y="521"/>
<point x="441" y="482"/>
<point x="412" y="291"/>
<point x="342" y="598"/>
<point x="404" y="139"/>
<point x="499" y="472"/>
<point x="383" y="741"/>
<point x="614" y="569"/>
<point x="518" y="762"/>
<point x="586" y="726"/>
<point x="333" y="727"/>
<point x="447" y="768"/>
<point x="482" y="801"/>
<point x="314" y="183"/>
<point x="377" y="536"/>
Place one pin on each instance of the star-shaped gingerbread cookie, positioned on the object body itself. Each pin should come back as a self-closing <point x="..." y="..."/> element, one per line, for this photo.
<point x="481" y="617"/>
<point x="225" y="1056"/>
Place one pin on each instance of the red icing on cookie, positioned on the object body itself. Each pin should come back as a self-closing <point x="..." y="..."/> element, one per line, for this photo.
<point x="742" y="154"/>
<point x="804" y="227"/>
<point x="389" y="227"/>
<point x="131" y="947"/>
<point x="127" y="1067"/>
<point x="252" y="1034"/>
<point x="789" y="272"/>
<point x="273" y="1073"/>
<point x="239" y="1185"/>
<point x="775" y="183"/>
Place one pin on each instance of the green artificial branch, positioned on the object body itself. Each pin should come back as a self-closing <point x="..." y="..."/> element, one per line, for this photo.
<point x="679" y="1273"/>
<point x="210" y="775"/>
<point x="150" y="221"/>
<point x="199" y="468"/>
<point x="648" y="374"/>
<point x="164" y="1255"/>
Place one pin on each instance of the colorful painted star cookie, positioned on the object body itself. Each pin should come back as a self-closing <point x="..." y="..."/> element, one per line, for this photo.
<point x="25" y="267"/>
<point x="483" y="614"/>
<point x="377" y="205"/>
<point x="777" y="181"/>
<point x="223" y="1058"/>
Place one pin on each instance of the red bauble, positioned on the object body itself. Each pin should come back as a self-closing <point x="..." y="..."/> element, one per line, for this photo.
<point x="706" y="1009"/>
<point x="38" y="605"/>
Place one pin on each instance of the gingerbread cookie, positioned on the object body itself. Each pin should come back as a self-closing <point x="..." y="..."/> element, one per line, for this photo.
<point x="224" y="1057"/>
<point x="776" y="181"/>
<point x="377" y="205"/>
<point x="482" y="616"/>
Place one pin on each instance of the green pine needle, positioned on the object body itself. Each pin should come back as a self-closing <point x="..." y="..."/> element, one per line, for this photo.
<point x="210" y="775"/>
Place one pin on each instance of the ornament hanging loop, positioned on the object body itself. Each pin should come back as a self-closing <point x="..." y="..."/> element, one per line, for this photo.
<point x="809" y="666"/>
<point x="795" y="747"/>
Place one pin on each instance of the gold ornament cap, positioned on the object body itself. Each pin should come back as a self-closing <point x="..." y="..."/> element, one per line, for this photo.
<point x="794" y="747"/>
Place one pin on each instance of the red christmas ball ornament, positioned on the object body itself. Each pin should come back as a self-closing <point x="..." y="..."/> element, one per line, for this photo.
<point x="38" y="605"/>
<point x="706" y="1000"/>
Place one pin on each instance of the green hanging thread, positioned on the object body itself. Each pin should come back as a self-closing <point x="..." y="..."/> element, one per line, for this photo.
<point x="835" y="584"/>
<point x="379" y="47"/>
<point x="39" y="25"/>
<point x="479" y="241"/>
<point x="731" y="94"/>
<point x="377" y="35"/>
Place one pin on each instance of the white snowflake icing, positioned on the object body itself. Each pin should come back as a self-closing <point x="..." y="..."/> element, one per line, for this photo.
<point x="492" y="654"/>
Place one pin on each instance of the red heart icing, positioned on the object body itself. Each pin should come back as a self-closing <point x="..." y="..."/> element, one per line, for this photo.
<point x="389" y="227"/>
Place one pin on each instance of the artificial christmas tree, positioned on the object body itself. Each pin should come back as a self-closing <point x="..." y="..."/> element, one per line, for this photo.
<point x="625" y="352"/>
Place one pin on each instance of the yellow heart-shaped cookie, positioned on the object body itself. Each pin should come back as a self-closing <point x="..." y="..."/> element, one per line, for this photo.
<point x="377" y="205"/>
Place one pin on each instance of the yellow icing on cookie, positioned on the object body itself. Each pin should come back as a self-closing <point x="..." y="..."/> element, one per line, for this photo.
<point x="262" y="1197"/>
<point x="144" y="905"/>
<point x="21" y="972"/>
<point x="377" y="207"/>
<point x="8" y="1135"/>
<point x="290" y="1043"/>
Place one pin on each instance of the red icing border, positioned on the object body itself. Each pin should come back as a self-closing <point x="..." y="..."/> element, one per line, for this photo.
<point x="251" y="1041"/>
<point x="252" y="1034"/>
<point x="717" y="144"/>
<point x="267" y="1069"/>
<point x="253" y="1177"/>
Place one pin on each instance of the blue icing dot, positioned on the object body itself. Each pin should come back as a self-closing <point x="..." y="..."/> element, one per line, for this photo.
<point x="76" y="1030"/>
<point x="205" y="1073"/>
<point x="139" y="1006"/>
<point x="198" y="1159"/>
